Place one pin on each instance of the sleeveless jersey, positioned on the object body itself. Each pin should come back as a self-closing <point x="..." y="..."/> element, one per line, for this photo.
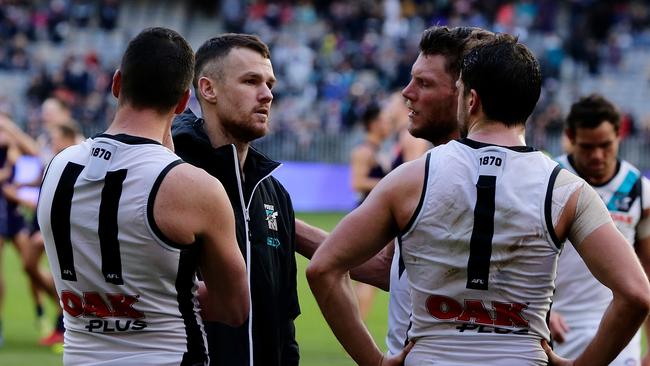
<point x="480" y="257"/>
<point x="579" y="297"/>
<point x="128" y="292"/>
<point x="399" y="304"/>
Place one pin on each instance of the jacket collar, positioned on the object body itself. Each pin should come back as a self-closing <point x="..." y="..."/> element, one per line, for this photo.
<point x="257" y="166"/>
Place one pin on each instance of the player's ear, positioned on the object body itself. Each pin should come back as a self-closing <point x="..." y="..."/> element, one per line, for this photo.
<point x="474" y="102"/>
<point x="207" y="90"/>
<point x="182" y="104"/>
<point x="117" y="83"/>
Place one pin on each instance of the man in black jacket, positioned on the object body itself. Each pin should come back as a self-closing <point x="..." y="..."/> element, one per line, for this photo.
<point x="233" y="81"/>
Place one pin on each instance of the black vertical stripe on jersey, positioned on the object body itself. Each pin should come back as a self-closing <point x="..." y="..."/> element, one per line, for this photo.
<point x="408" y="328"/>
<point x="548" y="202"/>
<point x="60" y="219"/>
<point x="548" y="321"/>
<point x="107" y="228"/>
<point x="401" y="267"/>
<point x="196" y="353"/>
<point x="480" y="245"/>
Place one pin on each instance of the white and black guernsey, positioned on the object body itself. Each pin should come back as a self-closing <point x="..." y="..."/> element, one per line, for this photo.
<point x="128" y="293"/>
<point x="580" y="298"/>
<point x="481" y="254"/>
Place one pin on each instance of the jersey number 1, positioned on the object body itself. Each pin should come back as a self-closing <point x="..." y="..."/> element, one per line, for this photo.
<point x="480" y="246"/>
<point x="107" y="228"/>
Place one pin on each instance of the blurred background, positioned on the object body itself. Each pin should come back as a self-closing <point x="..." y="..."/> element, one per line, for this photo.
<point x="332" y="60"/>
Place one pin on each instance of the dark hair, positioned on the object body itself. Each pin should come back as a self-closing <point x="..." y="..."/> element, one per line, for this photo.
<point x="369" y="115"/>
<point x="506" y="76"/>
<point x="451" y="43"/>
<point x="591" y="111"/>
<point x="214" y="49"/>
<point x="157" y="69"/>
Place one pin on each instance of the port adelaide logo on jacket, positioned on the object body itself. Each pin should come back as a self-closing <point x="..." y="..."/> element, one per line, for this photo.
<point x="272" y="221"/>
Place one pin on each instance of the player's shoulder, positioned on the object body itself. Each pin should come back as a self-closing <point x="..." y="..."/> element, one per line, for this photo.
<point x="184" y="177"/>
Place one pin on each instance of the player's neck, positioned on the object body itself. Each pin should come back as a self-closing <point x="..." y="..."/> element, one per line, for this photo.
<point x="141" y="122"/>
<point x="218" y="137"/>
<point x="497" y="134"/>
<point x="598" y="180"/>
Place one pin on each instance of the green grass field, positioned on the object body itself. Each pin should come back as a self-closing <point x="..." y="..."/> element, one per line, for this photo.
<point x="317" y="344"/>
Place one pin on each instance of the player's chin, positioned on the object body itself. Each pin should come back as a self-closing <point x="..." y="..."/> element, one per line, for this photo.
<point x="258" y="130"/>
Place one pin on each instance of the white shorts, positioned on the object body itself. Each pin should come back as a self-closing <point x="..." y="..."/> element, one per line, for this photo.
<point x="578" y="339"/>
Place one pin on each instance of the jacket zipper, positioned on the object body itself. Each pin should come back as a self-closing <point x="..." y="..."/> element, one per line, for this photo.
<point x="240" y="190"/>
<point x="246" y="207"/>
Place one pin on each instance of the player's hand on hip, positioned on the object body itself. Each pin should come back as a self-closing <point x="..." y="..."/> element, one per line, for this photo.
<point x="554" y="359"/>
<point x="558" y="326"/>
<point x="398" y="359"/>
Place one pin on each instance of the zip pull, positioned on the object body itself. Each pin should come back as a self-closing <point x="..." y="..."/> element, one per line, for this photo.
<point x="246" y="215"/>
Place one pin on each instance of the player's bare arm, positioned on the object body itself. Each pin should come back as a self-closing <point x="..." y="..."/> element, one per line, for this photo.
<point x="375" y="271"/>
<point x="605" y="252"/>
<point x="308" y="238"/>
<point x="383" y="214"/>
<point x="192" y="205"/>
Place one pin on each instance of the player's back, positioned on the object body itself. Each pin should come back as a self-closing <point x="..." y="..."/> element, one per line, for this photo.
<point x="479" y="257"/>
<point x="126" y="290"/>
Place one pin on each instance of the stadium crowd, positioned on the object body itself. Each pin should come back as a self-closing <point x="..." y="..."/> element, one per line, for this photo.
<point x="333" y="58"/>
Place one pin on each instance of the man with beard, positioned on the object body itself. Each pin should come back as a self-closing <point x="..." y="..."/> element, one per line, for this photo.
<point x="233" y="81"/>
<point x="480" y="222"/>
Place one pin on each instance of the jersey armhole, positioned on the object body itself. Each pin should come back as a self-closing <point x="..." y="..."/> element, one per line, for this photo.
<point x="151" y="221"/>
<point x="423" y="195"/>
<point x="548" y="203"/>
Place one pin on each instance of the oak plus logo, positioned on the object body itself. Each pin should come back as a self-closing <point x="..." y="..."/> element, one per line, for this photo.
<point x="102" y="313"/>
<point x="498" y="317"/>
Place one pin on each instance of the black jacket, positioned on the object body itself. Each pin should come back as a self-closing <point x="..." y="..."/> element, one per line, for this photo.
<point x="271" y="262"/>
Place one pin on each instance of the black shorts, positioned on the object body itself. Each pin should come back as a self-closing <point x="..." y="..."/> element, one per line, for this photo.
<point x="11" y="220"/>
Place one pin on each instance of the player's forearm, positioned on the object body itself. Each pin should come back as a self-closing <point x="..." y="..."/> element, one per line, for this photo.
<point x="308" y="238"/>
<point x="337" y="302"/>
<point x="619" y="324"/>
<point x="231" y="309"/>
<point x="376" y="270"/>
